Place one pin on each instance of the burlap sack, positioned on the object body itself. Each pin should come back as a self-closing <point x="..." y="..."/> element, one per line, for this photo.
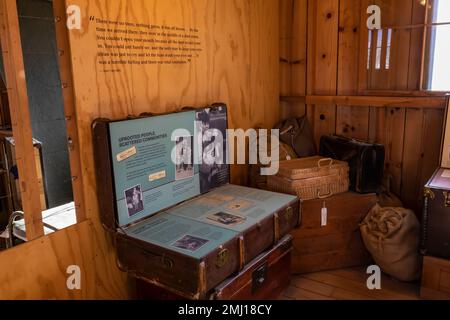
<point x="392" y="235"/>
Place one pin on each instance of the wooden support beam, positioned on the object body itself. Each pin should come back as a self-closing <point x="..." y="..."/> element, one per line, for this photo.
<point x="20" y="116"/>
<point x="373" y="101"/>
<point x="65" y="67"/>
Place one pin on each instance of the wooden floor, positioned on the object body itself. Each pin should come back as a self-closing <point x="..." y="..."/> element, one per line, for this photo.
<point x="347" y="284"/>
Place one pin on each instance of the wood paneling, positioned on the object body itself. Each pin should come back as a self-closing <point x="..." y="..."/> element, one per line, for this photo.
<point x="20" y="118"/>
<point x="406" y="121"/>
<point x="69" y="108"/>
<point x="38" y="269"/>
<point x="293" y="55"/>
<point x="347" y="284"/>
<point x="338" y="244"/>
<point x="348" y="56"/>
<point x="286" y="42"/>
<point x="323" y="17"/>
<point x="236" y="66"/>
<point x="298" y="47"/>
<point x="435" y="279"/>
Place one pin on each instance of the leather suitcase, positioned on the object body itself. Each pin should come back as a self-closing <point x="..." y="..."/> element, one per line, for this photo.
<point x="436" y="215"/>
<point x="366" y="161"/>
<point x="200" y="232"/>
<point x="331" y="240"/>
<point x="263" y="279"/>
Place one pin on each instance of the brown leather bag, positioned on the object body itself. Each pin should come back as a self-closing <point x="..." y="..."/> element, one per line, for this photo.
<point x="255" y="179"/>
<point x="297" y="133"/>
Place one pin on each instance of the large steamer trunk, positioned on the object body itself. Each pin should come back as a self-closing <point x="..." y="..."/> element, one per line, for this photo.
<point x="206" y="230"/>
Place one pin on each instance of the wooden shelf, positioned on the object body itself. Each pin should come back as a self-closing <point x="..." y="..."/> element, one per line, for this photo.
<point x="433" y="102"/>
<point x="299" y="99"/>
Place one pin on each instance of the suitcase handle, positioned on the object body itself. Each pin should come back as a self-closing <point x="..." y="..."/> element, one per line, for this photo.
<point x="321" y="161"/>
<point x="329" y="194"/>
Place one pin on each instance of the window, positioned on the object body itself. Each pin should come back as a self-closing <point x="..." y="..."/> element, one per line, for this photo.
<point x="439" y="47"/>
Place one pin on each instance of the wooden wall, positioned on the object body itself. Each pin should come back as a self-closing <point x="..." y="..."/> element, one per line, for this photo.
<point x="238" y="65"/>
<point x="334" y="63"/>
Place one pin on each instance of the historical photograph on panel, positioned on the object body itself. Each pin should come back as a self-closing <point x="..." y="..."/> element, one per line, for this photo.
<point x="190" y="243"/>
<point x="184" y="168"/>
<point x="134" y="200"/>
<point x="212" y="142"/>
<point x="226" y="218"/>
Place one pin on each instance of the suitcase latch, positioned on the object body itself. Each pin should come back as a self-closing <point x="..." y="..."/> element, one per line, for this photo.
<point x="427" y="192"/>
<point x="446" y="198"/>
<point x="289" y="213"/>
<point x="222" y="258"/>
<point x="259" y="278"/>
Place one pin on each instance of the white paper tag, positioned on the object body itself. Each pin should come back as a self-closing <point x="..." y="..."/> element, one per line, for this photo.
<point x="157" y="176"/>
<point x="126" y="154"/>
<point x="324" y="217"/>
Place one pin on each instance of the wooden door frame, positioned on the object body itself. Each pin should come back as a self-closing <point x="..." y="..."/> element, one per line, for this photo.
<point x="20" y="117"/>
<point x="20" y="114"/>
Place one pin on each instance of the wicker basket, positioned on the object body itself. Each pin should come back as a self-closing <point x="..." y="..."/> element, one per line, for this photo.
<point x="311" y="178"/>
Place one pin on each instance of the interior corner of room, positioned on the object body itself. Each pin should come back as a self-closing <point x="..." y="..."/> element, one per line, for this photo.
<point x="76" y="78"/>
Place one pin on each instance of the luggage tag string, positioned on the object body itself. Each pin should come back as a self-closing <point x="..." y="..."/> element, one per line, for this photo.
<point x="324" y="215"/>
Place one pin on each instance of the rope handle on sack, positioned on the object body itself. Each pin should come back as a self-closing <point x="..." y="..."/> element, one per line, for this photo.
<point x="319" y="163"/>
<point x="381" y="237"/>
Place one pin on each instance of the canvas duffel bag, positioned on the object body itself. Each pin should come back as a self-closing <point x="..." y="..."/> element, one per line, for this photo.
<point x="297" y="133"/>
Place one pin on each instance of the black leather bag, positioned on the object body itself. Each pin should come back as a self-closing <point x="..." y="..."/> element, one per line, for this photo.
<point x="366" y="161"/>
<point x="297" y="133"/>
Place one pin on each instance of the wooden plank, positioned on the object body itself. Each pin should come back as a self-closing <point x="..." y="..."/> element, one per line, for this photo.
<point x="349" y="290"/>
<point x="374" y="122"/>
<point x="418" y="40"/>
<point x="435" y="279"/>
<point x="395" y="132"/>
<point x="363" y="48"/>
<point x="324" y="121"/>
<point x="20" y="116"/>
<point x="302" y="294"/>
<point x="408" y="290"/>
<point x="299" y="47"/>
<point x="292" y="109"/>
<point x="249" y="88"/>
<point x="349" y="51"/>
<point x="357" y="287"/>
<point x="312" y="286"/>
<point x="350" y="121"/>
<point x="221" y="72"/>
<point x="68" y="94"/>
<point x="286" y="42"/>
<point x="323" y="45"/>
<point x="381" y="102"/>
<point x="412" y="155"/>
<point x="432" y="102"/>
<point x="353" y="122"/>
